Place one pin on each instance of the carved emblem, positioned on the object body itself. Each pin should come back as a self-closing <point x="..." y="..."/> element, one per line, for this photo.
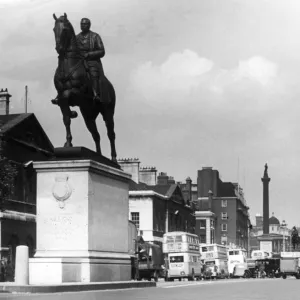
<point x="61" y="190"/>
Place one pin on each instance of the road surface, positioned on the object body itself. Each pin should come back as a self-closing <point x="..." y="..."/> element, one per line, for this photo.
<point x="233" y="289"/>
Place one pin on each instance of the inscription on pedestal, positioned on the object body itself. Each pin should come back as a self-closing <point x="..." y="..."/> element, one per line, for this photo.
<point x="62" y="230"/>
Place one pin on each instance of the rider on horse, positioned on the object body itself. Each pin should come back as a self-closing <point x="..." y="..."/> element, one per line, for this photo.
<point x="92" y="49"/>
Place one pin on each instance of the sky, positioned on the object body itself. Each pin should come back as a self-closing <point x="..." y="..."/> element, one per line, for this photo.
<point x="199" y="83"/>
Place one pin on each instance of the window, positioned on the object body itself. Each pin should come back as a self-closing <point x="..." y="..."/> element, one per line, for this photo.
<point x="135" y="218"/>
<point x="224" y="227"/>
<point x="202" y="239"/>
<point x="224" y="239"/>
<point x="224" y="203"/>
<point x="202" y="224"/>
<point x="224" y="215"/>
<point x="176" y="259"/>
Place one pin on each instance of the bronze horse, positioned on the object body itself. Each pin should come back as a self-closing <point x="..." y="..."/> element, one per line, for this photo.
<point x="74" y="88"/>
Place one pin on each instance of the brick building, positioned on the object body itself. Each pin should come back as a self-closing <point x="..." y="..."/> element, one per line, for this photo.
<point x="221" y="211"/>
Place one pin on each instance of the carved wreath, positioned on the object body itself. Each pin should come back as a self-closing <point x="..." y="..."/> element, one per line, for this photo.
<point x="61" y="190"/>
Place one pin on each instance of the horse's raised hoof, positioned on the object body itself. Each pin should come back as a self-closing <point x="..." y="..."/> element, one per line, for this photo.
<point x="54" y="101"/>
<point x="74" y="114"/>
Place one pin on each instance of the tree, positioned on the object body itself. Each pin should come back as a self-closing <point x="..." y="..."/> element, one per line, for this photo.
<point x="295" y="237"/>
<point x="8" y="173"/>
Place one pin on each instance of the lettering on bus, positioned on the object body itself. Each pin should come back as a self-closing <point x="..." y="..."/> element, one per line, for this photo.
<point x="174" y="247"/>
<point x="194" y="247"/>
<point x="207" y="255"/>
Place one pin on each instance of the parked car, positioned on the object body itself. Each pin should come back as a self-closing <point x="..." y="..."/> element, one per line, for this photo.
<point x="270" y="266"/>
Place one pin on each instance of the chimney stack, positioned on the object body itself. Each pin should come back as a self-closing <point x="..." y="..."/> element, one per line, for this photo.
<point x="148" y="175"/>
<point x="131" y="166"/>
<point x="4" y="102"/>
<point x="188" y="184"/>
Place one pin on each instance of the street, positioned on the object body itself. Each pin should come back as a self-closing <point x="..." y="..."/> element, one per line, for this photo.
<point x="246" y="289"/>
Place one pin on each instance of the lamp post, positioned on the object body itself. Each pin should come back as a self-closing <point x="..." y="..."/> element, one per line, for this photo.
<point x="283" y="226"/>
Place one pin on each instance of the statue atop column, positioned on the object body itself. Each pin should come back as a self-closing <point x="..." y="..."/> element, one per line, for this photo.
<point x="266" y="171"/>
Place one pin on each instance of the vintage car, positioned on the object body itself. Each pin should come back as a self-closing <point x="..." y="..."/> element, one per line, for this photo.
<point x="240" y="269"/>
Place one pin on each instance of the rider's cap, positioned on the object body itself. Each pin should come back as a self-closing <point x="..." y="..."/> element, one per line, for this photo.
<point x="86" y="19"/>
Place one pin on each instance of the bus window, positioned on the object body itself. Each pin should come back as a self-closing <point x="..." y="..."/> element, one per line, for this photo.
<point x="170" y="239"/>
<point x="203" y="249"/>
<point x="176" y="259"/>
<point x="178" y="238"/>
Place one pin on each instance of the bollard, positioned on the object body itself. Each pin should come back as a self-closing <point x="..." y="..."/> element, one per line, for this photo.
<point x="22" y="266"/>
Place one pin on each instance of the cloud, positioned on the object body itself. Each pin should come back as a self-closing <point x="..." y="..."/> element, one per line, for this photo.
<point x="254" y="76"/>
<point x="185" y="77"/>
<point x="256" y="68"/>
<point x="180" y="72"/>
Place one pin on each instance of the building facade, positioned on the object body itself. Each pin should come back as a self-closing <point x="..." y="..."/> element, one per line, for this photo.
<point x="221" y="211"/>
<point x="22" y="141"/>
<point x="156" y="208"/>
<point x="279" y="235"/>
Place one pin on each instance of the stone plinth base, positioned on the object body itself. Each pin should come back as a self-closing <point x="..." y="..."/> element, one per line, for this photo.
<point x="265" y="243"/>
<point x="82" y="221"/>
<point x="61" y="270"/>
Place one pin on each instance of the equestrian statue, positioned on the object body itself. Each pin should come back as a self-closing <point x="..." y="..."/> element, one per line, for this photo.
<point x="80" y="81"/>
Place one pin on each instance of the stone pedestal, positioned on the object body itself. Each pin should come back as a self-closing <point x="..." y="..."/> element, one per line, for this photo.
<point x="265" y="243"/>
<point x="82" y="223"/>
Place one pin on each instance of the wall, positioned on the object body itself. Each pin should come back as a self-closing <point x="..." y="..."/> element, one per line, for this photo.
<point x="201" y="232"/>
<point x="159" y="217"/>
<point x="231" y="221"/>
<point x="183" y="221"/>
<point x="207" y="180"/>
<point x="144" y="206"/>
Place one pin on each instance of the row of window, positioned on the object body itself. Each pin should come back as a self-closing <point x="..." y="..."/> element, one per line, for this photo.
<point x="203" y="225"/>
<point x="175" y="224"/>
<point x="203" y="222"/>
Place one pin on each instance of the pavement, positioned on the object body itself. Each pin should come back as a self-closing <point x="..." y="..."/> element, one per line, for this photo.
<point x="231" y="289"/>
<point x="9" y="287"/>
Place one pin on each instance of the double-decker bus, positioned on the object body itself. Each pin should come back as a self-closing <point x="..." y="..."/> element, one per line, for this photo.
<point x="183" y="256"/>
<point x="215" y="260"/>
<point x="236" y="256"/>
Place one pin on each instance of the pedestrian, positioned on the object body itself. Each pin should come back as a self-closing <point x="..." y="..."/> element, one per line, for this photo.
<point x="2" y="270"/>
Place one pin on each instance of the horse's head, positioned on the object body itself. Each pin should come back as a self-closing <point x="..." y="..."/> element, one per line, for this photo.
<point x="63" y="32"/>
